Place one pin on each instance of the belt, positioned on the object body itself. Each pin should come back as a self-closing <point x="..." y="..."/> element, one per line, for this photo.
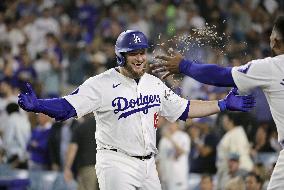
<point x="138" y="157"/>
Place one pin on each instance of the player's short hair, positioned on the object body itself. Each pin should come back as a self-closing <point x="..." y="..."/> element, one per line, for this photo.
<point x="279" y="25"/>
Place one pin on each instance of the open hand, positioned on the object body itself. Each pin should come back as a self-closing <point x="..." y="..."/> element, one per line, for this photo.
<point x="235" y="102"/>
<point x="27" y="99"/>
<point x="170" y="63"/>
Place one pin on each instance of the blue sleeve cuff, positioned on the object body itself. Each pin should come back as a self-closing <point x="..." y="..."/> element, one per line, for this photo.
<point x="184" y="115"/>
<point x="222" y="105"/>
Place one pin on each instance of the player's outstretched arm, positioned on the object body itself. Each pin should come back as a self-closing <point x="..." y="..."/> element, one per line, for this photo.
<point x="205" y="73"/>
<point x="57" y="108"/>
<point x="232" y="102"/>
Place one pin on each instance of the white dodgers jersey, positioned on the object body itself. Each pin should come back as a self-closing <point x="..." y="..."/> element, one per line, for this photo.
<point x="268" y="74"/>
<point x="127" y="112"/>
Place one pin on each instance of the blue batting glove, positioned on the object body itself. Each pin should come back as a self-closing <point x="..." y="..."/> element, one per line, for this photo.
<point x="28" y="100"/>
<point x="235" y="102"/>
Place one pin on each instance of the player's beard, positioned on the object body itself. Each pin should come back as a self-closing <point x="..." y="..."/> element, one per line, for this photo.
<point x="134" y="74"/>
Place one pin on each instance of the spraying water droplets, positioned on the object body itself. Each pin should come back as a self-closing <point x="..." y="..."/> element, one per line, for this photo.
<point x="187" y="42"/>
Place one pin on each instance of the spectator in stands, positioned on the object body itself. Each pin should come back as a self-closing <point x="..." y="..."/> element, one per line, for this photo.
<point x="253" y="181"/>
<point x="38" y="144"/>
<point x="25" y="72"/>
<point x="8" y="94"/>
<point x="234" y="140"/>
<point x="8" y="62"/>
<point x="82" y="151"/>
<point x="53" y="49"/>
<point x="261" y="142"/>
<point x="87" y="14"/>
<point x="15" y="36"/>
<point x="204" y="147"/>
<point x="109" y="50"/>
<point x="239" y="22"/>
<point x="234" y="170"/>
<point x="79" y="64"/>
<point x="45" y="23"/>
<point x="59" y="139"/>
<point x="16" y="135"/>
<point x="54" y="57"/>
<point x="174" y="149"/>
<point x="206" y="182"/>
<point x="137" y="21"/>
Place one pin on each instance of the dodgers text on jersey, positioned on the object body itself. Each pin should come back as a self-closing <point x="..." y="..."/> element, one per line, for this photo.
<point x="128" y="107"/>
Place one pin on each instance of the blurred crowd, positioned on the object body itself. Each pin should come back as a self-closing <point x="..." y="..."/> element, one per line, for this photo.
<point x="57" y="44"/>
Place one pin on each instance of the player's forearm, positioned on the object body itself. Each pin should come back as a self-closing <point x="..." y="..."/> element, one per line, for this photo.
<point x="70" y="155"/>
<point x="57" y="108"/>
<point x="207" y="73"/>
<point x="200" y="108"/>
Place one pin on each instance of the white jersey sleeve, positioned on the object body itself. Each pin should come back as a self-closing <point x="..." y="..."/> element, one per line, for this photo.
<point x="172" y="106"/>
<point x="256" y="73"/>
<point x="86" y="98"/>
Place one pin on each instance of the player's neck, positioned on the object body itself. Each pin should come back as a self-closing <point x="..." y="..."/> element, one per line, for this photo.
<point x="128" y="74"/>
<point x="136" y="80"/>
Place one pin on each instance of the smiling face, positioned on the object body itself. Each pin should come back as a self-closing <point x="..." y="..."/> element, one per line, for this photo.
<point x="135" y="65"/>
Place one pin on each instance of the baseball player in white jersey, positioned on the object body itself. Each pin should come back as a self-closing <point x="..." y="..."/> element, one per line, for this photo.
<point x="126" y="103"/>
<point x="267" y="74"/>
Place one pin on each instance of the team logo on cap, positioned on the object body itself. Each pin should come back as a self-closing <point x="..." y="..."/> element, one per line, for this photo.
<point x="136" y="39"/>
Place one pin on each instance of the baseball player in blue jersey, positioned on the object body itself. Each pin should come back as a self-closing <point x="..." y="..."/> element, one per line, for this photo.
<point x="267" y="74"/>
<point x="126" y="102"/>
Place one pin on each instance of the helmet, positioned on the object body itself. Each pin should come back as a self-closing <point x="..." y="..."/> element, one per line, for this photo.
<point x="127" y="41"/>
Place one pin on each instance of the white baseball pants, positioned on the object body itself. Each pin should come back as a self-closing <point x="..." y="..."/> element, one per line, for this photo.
<point x="116" y="170"/>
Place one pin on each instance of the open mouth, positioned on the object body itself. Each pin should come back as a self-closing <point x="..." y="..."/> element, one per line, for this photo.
<point x="138" y="65"/>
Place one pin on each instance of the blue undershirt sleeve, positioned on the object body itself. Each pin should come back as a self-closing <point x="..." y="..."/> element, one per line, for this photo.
<point x="184" y="115"/>
<point x="57" y="108"/>
<point x="207" y="73"/>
